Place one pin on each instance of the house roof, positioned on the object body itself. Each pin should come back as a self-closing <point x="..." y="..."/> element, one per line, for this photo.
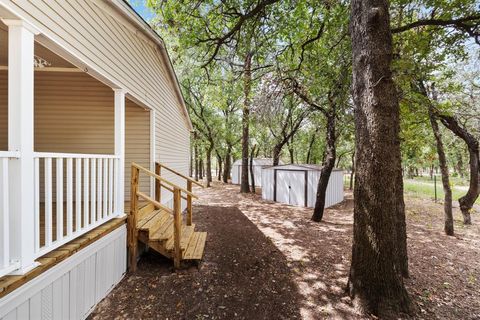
<point x="258" y="162"/>
<point x="127" y="10"/>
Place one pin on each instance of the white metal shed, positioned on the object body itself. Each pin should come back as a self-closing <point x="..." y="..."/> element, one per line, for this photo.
<point x="296" y="184"/>
<point x="258" y="165"/>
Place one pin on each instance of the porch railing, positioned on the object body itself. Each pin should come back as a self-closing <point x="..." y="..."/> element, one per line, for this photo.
<point x="74" y="193"/>
<point x="7" y="265"/>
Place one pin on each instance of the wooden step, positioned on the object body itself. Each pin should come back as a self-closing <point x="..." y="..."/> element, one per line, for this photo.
<point x="187" y="232"/>
<point x="164" y="232"/>
<point x="195" y="246"/>
<point x="156" y="222"/>
<point x="146" y="217"/>
<point x="146" y="209"/>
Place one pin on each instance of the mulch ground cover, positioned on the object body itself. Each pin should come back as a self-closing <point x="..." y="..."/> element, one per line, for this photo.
<point x="266" y="260"/>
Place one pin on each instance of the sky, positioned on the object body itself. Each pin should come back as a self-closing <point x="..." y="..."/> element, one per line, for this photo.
<point x="141" y="8"/>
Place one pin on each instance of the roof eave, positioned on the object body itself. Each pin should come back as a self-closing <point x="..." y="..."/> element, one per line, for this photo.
<point x="126" y="10"/>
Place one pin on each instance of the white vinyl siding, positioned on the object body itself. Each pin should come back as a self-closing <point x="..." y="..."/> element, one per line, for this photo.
<point x="72" y="288"/>
<point x="137" y="144"/>
<point x="108" y="43"/>
<point x="74" y="113"/>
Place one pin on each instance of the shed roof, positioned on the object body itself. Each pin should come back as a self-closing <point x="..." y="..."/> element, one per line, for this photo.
<point x="308" y="167"/>
<point x="258" y="162"/>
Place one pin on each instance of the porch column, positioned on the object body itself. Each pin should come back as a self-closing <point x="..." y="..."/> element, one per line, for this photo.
<point x="20" y="138"/>
<point x="120" y="148"/>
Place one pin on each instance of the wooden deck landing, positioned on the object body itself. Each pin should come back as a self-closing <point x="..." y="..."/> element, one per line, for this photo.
<point x="10" y="283"/>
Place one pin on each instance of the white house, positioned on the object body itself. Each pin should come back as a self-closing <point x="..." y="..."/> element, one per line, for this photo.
<point x="86" y="88"/>
<point x="258" y="165"/>
<point x="296" y="184"/>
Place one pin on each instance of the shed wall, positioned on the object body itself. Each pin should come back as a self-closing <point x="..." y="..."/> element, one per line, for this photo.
<point x="267" y="184"/>
<point x="333" y="195"/>
<point x="237" y="175"/>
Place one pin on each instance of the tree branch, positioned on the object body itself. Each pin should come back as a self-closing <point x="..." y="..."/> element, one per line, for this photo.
<point x="469" y="24"/>
<point x="220" y="40"/>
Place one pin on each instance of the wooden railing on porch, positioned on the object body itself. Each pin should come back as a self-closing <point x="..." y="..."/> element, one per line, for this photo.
<point x="178" y="192"/>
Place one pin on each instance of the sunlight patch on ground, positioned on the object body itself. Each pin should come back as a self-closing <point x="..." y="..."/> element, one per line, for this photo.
<point x="301" y="241"/>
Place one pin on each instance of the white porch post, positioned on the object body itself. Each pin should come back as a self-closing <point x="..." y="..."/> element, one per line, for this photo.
<point x="120" y="148"/>
<point x="152" y="152"/>
<point x="20" y="138"/>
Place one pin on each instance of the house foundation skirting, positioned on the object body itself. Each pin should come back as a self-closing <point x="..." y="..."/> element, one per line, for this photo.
<point x="73" y="287"/>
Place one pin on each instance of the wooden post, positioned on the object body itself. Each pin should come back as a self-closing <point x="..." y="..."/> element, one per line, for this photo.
<point x="158" y="185"/>
<point x="189" y="203"/>
<point x="177" y="226"/>
<point x="132" y="220"/>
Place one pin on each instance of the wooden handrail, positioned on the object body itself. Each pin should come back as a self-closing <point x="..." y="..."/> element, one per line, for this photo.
<point x="181" y="175"/>
<point x="156" y="176"/>
<point x="154" y="202"/>
<point x="135" y="194"/>
<point x="171" y="190"/>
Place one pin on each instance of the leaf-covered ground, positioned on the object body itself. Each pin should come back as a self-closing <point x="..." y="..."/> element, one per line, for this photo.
<point x="266" y="260"/>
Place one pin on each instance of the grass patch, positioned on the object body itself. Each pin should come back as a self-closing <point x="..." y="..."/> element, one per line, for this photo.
<point x="423" y="187"/>
<point x="424" y="190"/>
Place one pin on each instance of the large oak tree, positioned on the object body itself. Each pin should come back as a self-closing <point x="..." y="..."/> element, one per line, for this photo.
<point x="379" y="238"/>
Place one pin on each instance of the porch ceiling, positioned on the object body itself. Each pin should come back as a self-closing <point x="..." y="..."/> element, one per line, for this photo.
<point x="40" y="51"/>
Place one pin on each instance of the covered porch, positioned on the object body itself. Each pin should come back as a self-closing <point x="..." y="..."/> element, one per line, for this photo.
<point x="66" y="142"/>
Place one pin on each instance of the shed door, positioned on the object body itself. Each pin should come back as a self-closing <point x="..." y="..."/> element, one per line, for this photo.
<point x="291" y="187"/>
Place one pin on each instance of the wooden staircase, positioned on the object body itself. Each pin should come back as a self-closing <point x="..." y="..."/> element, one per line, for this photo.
<point x="160" y="227"/>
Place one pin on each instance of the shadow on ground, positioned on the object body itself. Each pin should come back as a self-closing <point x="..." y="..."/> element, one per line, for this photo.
<point x="444" y="271"/>
<point x="243" y="276"/>
<point x="317" y="253"/>
<point x="266" y="260"/>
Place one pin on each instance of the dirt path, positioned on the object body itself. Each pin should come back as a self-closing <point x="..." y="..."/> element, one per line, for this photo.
<point x="266" y="260"/>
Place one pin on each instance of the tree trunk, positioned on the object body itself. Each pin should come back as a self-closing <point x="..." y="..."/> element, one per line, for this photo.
<point x="197" y="165"/>
<point x="190" y="171"/>
<point x="220" y="167"/>
<point x="400" y="220"/>
<point x="310" y="147"/>
<point x="327" y="168"/>
<point x="375" y="282"/>
<point x="227" y="167"/>
<point x="459" y="165"/>
<point x="200" y="167"/>
<point x="442" y="159"/>
<point x="277" y="149"/>
<point x="467" y="201"/>
<point x="209" y="166"/>
<point x="247" y="84"/>
<point x="291" y="151"/>
<point x="352" y="173"/>
<point x="252" y="173"/>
